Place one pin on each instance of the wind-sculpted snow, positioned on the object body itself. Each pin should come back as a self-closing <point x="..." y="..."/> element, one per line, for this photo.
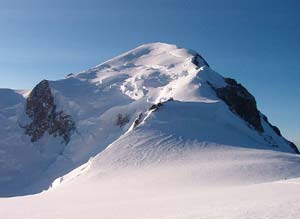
<point x="151" y="104"/>
<point x="177" y="131"/>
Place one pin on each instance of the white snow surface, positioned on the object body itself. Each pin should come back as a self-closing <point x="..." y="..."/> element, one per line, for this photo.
<point x="191" y="158"/>
<point x="214" y="182"/>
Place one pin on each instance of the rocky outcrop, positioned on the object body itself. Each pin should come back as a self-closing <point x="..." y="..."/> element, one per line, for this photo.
<point x="40" y="108"/>
<point x="275" y="129"/>
<point x="138" y="120"/>
<point x="122" y="120"/>
<point x="154" y="107"/>
<point x="197" y="59"/>
<point x="293" y="146"/>
<point x="241" y="102"/>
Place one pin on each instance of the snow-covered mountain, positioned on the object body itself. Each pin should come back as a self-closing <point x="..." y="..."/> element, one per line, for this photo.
<point x="157" y="103"/>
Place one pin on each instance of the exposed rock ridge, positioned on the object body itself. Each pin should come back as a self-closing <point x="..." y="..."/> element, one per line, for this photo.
<point x="293" y="146"/>
<point x="197" y="59"/>
<point x="277" y="131"/>
<point x="275" y="128"/>
<point x="41" y="109"/>
<point x="241" y="102"/>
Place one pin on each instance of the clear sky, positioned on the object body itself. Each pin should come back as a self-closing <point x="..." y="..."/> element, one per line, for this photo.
<point x="256" y="42"/>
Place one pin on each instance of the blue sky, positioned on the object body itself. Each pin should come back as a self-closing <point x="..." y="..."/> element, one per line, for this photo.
<point x="256" y="42"/>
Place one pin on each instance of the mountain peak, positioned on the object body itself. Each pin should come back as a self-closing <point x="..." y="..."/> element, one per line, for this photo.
<point x="150" y="66"/>
<point x="151" y="54"/>
<point x="157" y="90"/>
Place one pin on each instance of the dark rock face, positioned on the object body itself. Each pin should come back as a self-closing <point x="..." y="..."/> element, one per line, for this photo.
<point x="241" y="102"/>
<point x="275" y="129"/>
<point x="138" y="120"/>
<point x="154" y="107"/>
<point x="122" y="120"/>
<point x="294" y="147"/>
<point x="196" y="60"/>
<point x="41" y="109"/>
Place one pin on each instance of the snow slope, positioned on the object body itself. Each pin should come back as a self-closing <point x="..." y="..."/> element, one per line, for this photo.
<point x="206" y="182"/>
<point x="17" y="156"/>
<point x="182" y="143"/>
<point x="110" y="106"/>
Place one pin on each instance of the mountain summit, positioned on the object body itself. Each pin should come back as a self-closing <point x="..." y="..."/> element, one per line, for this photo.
<point x="143" y="106"/>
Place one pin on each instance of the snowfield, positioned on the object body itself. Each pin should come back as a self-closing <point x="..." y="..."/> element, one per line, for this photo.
<point x="206" y="189"/>
<point x="153" y="140"/>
